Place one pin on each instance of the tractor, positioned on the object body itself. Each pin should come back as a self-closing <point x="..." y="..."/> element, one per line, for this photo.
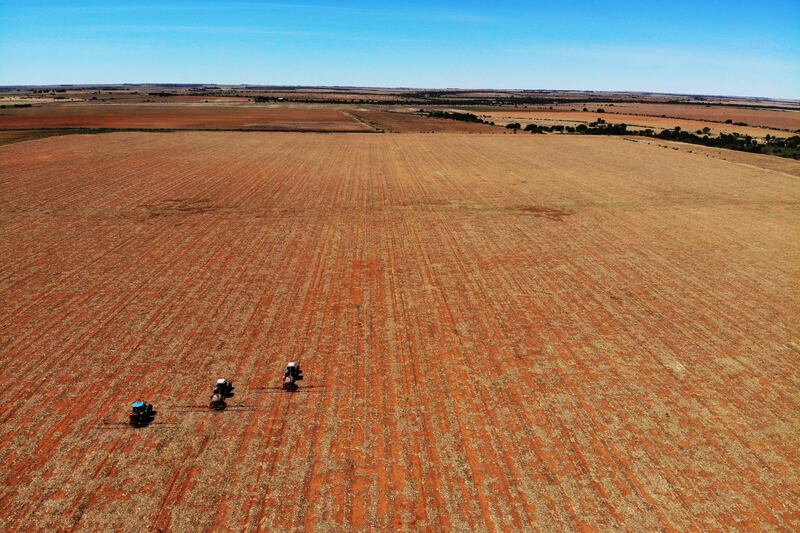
<point x="291" y="376"/>
<point x="224" y="388"/>
<point x="141" y="414"/>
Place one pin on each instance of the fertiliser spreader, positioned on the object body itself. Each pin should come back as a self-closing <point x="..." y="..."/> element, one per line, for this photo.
<point x="217" y="402"/>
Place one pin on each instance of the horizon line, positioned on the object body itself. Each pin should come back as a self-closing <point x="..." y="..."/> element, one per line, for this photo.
<point x="388" y="87"/>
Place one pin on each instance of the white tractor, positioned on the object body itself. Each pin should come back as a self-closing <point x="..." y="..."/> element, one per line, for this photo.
<point x="223" y="389"/>
<point x="291" y="376"/>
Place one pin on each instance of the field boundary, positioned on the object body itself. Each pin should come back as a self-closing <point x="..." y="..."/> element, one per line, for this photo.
<point x="31" y="134"/>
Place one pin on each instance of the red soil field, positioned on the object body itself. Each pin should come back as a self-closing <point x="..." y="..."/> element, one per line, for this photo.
<point x="547" y="117"/>
<point x="778" y="164"/>
<point x="145" y="98"/>
<point x="321" y="95"/>
<point x="499" y="332"/>
<point x="409" y="122"/>
<point x="769" y="118"/>
<point x="12" y="136"/>
<point x="167" y="116"/>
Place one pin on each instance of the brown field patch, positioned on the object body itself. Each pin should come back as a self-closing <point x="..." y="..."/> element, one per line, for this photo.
<point x="177" y="116"/>
<point x="768" y="118"/>
<point x="777" y="164"/>
<point x="13" y="136"/>
<point x="499" y="332"/>
<point x="572" y="118"/>
<point x="409" y="122"/>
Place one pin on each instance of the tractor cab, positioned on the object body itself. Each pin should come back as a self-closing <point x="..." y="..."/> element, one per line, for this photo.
<point x="224" y="388"/>
<point x="291" y="376"/>
<point x="293" y="370"/>
<point x="141" y="414"/>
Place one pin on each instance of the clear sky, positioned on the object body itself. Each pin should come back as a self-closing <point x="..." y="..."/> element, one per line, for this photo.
<point x="746" y="48"/>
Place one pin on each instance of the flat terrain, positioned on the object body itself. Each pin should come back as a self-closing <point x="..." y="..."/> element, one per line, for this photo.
<point x="769" y="118"/>
<point x="572" y="118"/>
<point x="408" y="121"/>
<point x="24" y="123"/>
<point x="180" y="116"/>
<point x="771" y="115"/>
<point x="500" y="332"/>
<point x="13" y="136"/>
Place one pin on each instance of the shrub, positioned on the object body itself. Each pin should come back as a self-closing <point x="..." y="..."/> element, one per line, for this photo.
<point x="463" y="117"/>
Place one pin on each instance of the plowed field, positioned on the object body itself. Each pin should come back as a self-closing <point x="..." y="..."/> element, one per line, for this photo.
<point x="410" y="122"/>
<point x="499" y="333"/>
<point x="180" y="116"/>
<point x="787" y="117"/>
<point x="770" y="118"/>
<point x="635" y="122"/>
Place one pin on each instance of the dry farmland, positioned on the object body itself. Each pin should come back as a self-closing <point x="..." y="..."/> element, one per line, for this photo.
<point x="407" y="121"/>
<point x="499" y="332"/>
<point x="636" y="122"/>
<point x="788" y="119"/>
<point x="181" y="116"/>
<point x="777" y="115"/>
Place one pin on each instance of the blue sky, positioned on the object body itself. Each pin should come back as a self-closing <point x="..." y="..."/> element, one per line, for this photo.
<point x="729" y="47"/>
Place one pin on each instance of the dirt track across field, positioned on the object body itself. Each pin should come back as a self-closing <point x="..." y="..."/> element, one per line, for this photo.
<point x="500" y="332"/>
